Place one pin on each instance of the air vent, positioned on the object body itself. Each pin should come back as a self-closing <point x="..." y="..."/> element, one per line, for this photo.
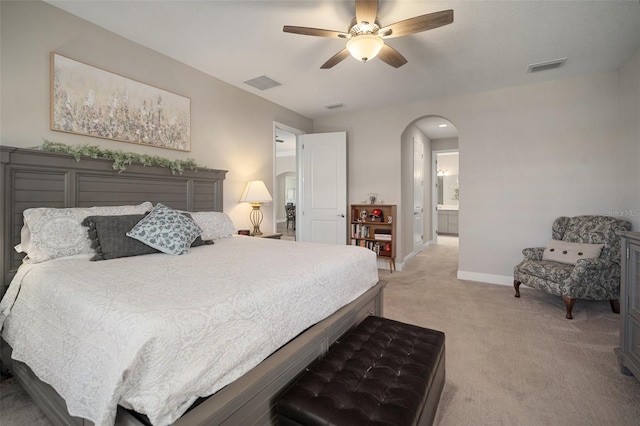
<point x="262" y="83"/>
<point x="543" y="66"/>
<point x="333" y="105"/>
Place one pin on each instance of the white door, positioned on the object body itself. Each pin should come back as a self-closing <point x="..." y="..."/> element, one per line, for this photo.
<point x="323" y="183"/>
<point x="418" y="195"/>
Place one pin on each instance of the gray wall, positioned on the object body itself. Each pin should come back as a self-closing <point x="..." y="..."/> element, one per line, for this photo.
<point x="230" y="129"/>
<point x="527" y="155"/>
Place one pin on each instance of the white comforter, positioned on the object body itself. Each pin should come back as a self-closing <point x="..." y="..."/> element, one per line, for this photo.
<point x="155" y="332"/>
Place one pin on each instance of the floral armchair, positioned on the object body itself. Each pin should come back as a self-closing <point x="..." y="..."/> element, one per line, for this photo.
<point x="595" y="278"/>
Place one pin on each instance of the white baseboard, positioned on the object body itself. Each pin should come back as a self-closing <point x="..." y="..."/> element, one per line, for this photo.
<point x="486" y="278"/>
<point x="415" y="253"/>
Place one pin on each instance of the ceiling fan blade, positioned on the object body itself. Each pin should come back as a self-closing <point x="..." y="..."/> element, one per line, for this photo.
<point x="336" y="59"/>
<point x="314" y="32"/>
<point x="366" y="11"/>
<point x="417" y="24"/>
<point x="391" y="56"/>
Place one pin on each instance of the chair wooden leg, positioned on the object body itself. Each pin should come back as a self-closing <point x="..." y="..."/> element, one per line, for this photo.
<point x="615" y="306"/>
<point x="516" y="285"/>
<point x="569" y="302"/>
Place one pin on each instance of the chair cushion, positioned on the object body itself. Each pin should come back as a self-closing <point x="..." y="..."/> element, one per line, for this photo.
<point x="546" y="269"/>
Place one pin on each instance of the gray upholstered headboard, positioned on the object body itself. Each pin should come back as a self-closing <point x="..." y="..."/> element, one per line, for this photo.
<point x="33" y="178"/>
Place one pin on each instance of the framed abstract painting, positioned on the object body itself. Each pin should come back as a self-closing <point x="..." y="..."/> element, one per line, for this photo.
<point x="91" y="101"/>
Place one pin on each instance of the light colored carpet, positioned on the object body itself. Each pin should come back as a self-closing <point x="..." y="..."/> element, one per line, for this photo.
<point x="515" y="361"/>
<point x="508" y="361"/>
<point x="17" y="408"/>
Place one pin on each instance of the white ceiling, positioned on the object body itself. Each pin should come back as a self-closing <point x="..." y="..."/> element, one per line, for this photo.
<point x="489" y="45"/>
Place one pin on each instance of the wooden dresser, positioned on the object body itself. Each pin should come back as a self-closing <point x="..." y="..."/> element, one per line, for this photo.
<point x="629" y="350"/>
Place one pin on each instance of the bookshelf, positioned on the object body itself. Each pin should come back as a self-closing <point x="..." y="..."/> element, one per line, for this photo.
<point x="374" y="226"/>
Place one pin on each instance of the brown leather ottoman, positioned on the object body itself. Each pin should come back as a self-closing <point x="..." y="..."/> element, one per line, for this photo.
<point x="383" y="372"/>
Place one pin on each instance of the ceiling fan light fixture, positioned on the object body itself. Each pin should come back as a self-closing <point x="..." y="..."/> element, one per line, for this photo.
<point x="365" y="47"/>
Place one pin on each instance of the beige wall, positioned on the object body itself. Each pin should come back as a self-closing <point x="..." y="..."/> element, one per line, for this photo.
<point x="629" y="116"/>
<point x="527" y="155"/>
<point x="442" y="144"/>
<point x="230" y="129"/>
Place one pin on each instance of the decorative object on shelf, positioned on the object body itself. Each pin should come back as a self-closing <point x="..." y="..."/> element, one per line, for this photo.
<point x="256" y="193"/>
<point x="120" y="159"/>
<point x="376" y="215"/>
<point x="389" y="219"/>
<point x="90" y="101"/>
<point x="373" y="197"/>
<point x="363" y="215"/>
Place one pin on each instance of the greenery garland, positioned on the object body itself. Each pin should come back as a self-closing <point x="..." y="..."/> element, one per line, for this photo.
<point x="120" y="159"/>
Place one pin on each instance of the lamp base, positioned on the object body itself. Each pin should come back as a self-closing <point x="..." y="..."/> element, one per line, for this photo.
<point x="256" y="218"/>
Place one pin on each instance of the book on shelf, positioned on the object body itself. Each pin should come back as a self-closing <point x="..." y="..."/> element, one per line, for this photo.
<point x="382" y="234"/>
<point x="386" y="237"/>
<point x="371" y="245"/>
<point x="359" y="231"/>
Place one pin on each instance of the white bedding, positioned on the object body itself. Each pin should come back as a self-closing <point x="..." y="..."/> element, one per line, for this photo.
<point x="155" y="332"/>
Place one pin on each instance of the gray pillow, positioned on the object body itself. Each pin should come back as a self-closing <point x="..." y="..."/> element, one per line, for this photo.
<point x="166" y="230"/>
<point x="108" y="235"/>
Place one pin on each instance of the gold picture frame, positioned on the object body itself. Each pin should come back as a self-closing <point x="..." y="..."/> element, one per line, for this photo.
<point x="90" y="101"/>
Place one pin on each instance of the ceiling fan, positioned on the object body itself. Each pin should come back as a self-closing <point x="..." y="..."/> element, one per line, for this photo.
<point x="366" y="36"/>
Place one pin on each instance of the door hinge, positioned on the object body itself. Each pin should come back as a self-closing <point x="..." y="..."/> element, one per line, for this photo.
<point x="628" y="252"/>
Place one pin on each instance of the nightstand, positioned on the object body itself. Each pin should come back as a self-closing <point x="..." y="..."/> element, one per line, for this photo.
<point x="275" y="236"/>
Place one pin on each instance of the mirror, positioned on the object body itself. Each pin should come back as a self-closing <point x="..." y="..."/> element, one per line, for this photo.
<point x="448" y="190"/>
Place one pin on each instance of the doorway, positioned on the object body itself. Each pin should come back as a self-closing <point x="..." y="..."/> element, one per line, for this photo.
<point x="446" y="196"/>
<point x="434" y="133"/>
<point x="285" y="181"/>
<point x="318" y="166"/>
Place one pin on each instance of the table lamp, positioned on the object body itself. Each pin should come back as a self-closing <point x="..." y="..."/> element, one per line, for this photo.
<point x="255" y="193"/>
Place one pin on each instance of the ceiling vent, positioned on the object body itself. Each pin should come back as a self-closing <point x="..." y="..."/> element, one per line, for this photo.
<point x="543" y="66"/>
<point x="262" y="83"/>
<point x="333" y="105"/>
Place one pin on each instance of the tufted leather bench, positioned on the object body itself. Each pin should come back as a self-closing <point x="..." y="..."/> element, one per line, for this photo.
<point x="383" y="372"/>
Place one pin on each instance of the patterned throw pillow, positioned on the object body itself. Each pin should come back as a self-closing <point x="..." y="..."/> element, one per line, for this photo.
<point x="166" y="230"/>
<point x="49" y="233"/>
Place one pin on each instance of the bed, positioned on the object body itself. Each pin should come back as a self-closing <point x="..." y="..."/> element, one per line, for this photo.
<point x="33" y="178"/>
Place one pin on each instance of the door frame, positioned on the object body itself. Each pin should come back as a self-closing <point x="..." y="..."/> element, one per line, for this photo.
<point x="434" y="191"/>
<point x="296" y="132"/>
<point x="418" y="247"/>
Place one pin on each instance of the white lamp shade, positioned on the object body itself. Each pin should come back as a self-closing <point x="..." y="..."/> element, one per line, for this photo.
<point x="255" y="192"/>
<point x="365" y="47"/>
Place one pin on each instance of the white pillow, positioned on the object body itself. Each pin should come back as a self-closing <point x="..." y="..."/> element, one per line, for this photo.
<point x="566" y="252"/>
<point x="214" y="225"/>
<point x="49" y="233"/>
